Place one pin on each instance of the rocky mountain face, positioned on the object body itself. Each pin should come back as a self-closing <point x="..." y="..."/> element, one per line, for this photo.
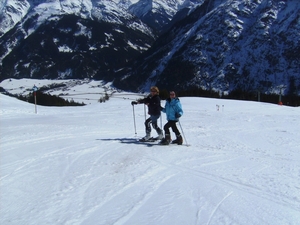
<point x="69" y="39"/>
<point x="72" y="47"/>
<point x="223" y="45"/>
<point x="158" y="14"/>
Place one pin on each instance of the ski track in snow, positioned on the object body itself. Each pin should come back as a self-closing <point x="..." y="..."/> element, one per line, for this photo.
<point x="244" y="187"/>
<point x="83" y="165"/>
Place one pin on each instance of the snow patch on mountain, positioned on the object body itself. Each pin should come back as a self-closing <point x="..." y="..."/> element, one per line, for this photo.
<point x="11" y="12"/>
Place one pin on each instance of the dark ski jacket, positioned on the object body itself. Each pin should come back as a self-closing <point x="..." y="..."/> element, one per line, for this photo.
<point x="153" y="103"/>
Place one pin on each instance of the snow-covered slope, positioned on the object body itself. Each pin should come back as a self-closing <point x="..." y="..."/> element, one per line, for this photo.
<point x="83" y="165"/>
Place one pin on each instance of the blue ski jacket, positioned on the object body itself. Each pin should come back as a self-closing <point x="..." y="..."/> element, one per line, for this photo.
<point x="173" y="109"/>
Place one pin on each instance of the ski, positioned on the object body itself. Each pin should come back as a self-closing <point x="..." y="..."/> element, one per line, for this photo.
<point x="152" y="139"/>
<point x="171" y="144"/>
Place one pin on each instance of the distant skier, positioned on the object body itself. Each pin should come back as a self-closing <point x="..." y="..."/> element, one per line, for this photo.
<point x="173" y="110"/>
<point x="154" y="110"/>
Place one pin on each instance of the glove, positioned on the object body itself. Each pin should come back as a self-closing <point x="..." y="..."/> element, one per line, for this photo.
<point x="177" y="115"/>
<point x="134" y="103"/>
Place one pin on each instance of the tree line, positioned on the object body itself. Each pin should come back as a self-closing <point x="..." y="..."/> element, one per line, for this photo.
<point x="45" y="99"/>
<point x="290" y="99"/>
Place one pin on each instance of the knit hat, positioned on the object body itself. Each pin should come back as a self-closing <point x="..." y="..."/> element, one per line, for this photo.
<point x="154" y="88"/>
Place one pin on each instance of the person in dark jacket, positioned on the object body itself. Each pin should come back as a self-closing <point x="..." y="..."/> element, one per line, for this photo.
<point x="154" y="110"/>
<point x="173" y="110"/>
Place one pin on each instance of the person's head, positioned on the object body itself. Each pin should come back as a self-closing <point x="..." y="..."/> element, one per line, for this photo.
<point x="172" y="94"/>
<point x="154" y="90"/>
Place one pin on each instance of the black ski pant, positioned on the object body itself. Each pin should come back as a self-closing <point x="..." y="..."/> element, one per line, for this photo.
<point x="152" y="119"/>
<point x="172" y="124"/>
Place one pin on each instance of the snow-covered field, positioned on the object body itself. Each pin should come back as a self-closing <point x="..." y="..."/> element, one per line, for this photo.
<point x="83" y="165"/>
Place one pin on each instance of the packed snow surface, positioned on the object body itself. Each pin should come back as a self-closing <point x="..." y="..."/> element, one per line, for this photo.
<point x="83" y="165"/>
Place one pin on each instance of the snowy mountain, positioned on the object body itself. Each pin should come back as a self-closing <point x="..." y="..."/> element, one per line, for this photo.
<point x="73" y="39"/>
<point x="14" y="11"/>
<point x="222" y="45"/>
<point x="225" y="45"/>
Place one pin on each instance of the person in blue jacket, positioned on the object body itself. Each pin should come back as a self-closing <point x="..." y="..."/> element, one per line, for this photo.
<point x="173" y="110"/>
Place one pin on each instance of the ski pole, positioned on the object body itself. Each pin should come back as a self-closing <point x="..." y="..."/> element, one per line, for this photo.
<point x="161" y="122"/>
<point x="134" y="119"/>
<point x="145" y="111"/>
<point x="183" y="133"/>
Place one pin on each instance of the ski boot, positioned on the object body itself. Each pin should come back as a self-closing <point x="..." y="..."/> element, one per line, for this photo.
<point x="166" y="140"/>
<point x="178" y="140"/>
